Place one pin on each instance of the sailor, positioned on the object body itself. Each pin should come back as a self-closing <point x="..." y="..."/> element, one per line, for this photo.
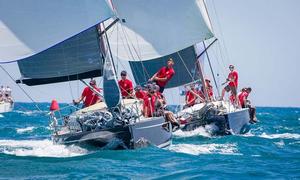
<point x="2" y="90"/>
<point x="209" y="89"/>
<point x="245" y="103"/>
<point x="190" y="96"/>
<point x="88" y="96"/>
<point x="160" y="108"/>
<point x="149" y="101"/>
<point x="125" y="86"/>
<point x="233" y="83"/>
<point x="8" y="91"/>
<point x="139" y="92"/>
<point x="243" y="96"/>
<point x="164" y="75"/>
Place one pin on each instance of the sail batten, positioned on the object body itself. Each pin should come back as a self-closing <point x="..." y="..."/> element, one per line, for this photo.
<point x="31" y="26"/>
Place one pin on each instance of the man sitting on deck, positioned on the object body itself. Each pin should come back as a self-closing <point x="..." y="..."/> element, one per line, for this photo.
<point x="88" y="96"/>
<point x="245" y="103"/>
<point x="164" y="75"/>
<point x="126" y="86"/>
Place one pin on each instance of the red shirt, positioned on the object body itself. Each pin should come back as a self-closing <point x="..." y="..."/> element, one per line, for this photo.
<point x="232" y="99"/>
<point x="149" y="104"/>
<point x="126" y="87"/>
<point x="190" y="97"/>
<point x="140" y="94"/>
<point x="164" y="72"/>
<point x="242" y="97"/>
<point x="233" y="75"/>
<point x="90" y="97"/>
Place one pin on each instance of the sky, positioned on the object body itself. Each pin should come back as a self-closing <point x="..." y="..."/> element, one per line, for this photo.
<point x="260" y="37"/>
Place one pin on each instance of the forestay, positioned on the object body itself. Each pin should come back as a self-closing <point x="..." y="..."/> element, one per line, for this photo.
<point x="31" y="26"/>
<point x="149" y="29"/>
<point x="76" y="58"/>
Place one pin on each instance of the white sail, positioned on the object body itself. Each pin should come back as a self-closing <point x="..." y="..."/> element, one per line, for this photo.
<point x="31" y="26"/>
<point x="149" y="28"/>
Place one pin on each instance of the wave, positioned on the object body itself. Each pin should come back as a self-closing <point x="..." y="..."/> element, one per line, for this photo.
<point x="25" y="130"/>
<point x="280" y="136"/>
<point x="31" y="113"/>
<point x="206" y="131"/>
<point x="1" y="116"/>
<point x="39" y="148"/>
<point x="227" y="149"/>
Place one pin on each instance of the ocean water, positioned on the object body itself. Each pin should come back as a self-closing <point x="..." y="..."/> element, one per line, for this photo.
<point x="270" y="150"/>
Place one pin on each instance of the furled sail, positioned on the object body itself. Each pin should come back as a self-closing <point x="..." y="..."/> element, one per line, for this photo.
<point x="185" y="68"/>
<point x="31" y="26"/>
<point x="150" y="29"/>
<point x="76" y="58"/>
<point x="111" y="90"/>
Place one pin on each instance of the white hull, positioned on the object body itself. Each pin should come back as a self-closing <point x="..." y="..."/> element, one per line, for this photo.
<point x="5" y="107"/>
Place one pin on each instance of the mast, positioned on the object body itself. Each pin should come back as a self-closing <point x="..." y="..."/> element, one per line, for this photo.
<point x="211" y="69"/>
<point x="200" y="71"/>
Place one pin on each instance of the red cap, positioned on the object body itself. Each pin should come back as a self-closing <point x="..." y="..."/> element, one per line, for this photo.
<point x="54" y="105"/>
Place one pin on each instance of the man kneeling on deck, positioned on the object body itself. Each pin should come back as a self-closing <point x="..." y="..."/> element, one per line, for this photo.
<point x="154" y="104"/>
<point x="88" y="96"/>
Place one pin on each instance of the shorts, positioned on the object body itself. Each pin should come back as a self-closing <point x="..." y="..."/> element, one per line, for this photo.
<point x="231" y="88"/>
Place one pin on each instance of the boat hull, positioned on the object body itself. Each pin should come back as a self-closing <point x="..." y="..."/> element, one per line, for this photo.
<point x="236" y="122"/>
<point x="6" y="107"/>
<point x="152" y="131"/>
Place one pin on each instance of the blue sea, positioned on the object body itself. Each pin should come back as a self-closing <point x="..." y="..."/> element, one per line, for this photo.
<point x="270" y="150"/>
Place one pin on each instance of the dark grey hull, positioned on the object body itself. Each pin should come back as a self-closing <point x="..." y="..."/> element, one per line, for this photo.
<point x="154" y="131"/>
<point x="231" y="123"/>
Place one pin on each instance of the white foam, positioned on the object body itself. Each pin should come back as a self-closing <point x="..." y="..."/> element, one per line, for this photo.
<point x="1" y="116"/>
<point x="280" y="136"/>
<point x="193" y="149"/>
<point x="280" y="143"/>
<point x="24" y="130"/>
<point x="201" y="131"/>
<point x="31" y="113"/>
<point x="39" y="148"/>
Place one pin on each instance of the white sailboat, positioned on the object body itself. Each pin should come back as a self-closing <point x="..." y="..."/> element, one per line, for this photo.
<point x="140" y="34"/>
<point x="6" y="107"/>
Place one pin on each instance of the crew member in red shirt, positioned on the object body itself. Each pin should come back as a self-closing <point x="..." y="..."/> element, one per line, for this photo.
<point x="149" y="102"/>
<point x="164" y="75"/>
<point x="209" y="89"/>
<point x="233" y="82"/>
<point x="243" y="96"/>
<point x="88" y="96"/>
<point x="190" y="97"/>
<point x="126" y="86"/>
<point x="139" y="93"/>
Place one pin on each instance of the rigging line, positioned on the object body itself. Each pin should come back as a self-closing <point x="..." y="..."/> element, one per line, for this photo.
<point x="205" y="49"/>
<point x="213" y="74"/>
<point x="221" y="32"/>
<point x="145" y="70"/>
<point x="119" y="61"/>
<point x="185" y="66"/>
<point x="21" y="88"/>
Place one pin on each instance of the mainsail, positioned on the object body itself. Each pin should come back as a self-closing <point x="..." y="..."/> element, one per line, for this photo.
<point x="31" y="26"/>
<point x="149" y="29"/>
<point x="76" y="58"/>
